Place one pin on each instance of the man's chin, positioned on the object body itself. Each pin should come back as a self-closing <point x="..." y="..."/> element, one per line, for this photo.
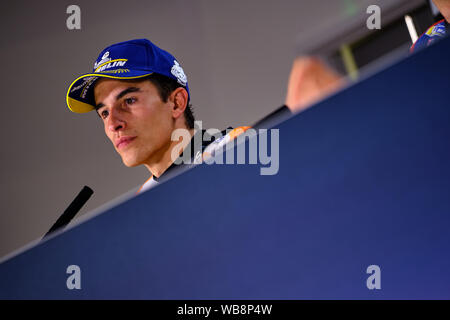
<point x="130" y="163"/>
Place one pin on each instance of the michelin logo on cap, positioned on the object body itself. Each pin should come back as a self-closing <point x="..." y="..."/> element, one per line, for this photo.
<point x="105" y="58"/>
<point x="178" y="73"/>
<point x="107" y="63"/>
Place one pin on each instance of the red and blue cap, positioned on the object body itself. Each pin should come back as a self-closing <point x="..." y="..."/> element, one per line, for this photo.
<point x="124" y="61"/>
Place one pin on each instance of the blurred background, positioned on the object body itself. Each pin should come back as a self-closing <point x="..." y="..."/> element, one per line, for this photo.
<point x="237" y="56"/>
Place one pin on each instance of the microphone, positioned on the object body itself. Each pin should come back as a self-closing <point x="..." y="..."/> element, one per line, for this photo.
<point x="71" y="210"/>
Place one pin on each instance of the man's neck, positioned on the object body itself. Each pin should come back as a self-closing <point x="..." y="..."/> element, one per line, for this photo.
<point x="164" y="160"/>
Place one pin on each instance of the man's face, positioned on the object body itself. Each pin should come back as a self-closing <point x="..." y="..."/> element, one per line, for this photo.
<point x="136" y="120"/>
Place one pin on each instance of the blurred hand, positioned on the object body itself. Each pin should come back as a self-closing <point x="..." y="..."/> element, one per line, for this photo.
<point x="310" y="81"/>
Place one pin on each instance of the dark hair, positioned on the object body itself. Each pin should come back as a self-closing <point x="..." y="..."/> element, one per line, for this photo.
<point x="165" y="87"/>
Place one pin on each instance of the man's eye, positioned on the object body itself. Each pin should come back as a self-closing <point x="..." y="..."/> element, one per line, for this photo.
<point x="104" y="114"/>
<point x="129" y="101"/>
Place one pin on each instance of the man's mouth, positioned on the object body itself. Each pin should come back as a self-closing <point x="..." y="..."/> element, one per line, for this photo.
<point x="123" y="142"/>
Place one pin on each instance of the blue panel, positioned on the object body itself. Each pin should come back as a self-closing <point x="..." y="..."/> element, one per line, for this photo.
<point x="364" y="179"/>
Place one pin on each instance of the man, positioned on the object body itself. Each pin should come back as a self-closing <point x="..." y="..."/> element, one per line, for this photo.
<point x="142" y="96"/>
<point x="438" y="30"/>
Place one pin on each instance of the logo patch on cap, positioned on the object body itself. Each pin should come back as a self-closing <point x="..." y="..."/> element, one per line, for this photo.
<point x="107" y="63"/>
<point x="110" y="64"/>
<point x="178" y="73"/>
<point x="105" y="58"/>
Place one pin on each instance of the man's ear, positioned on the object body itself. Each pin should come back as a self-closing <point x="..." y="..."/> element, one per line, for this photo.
<point x="179" y="97"/>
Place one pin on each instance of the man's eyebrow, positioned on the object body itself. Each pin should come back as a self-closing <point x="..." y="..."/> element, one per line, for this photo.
<point x="98" y="106"/>
<point x="120" y="95"/>
<point x="126" y="91"/>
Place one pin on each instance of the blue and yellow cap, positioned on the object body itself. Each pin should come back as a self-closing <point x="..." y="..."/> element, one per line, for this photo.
<point x="124" y="60"/>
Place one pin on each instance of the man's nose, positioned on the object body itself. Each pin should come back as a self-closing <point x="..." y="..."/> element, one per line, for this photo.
<point x="115" y="121"/>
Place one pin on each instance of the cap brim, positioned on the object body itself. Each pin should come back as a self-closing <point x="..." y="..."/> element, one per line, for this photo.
<point x="80" y="98"/>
